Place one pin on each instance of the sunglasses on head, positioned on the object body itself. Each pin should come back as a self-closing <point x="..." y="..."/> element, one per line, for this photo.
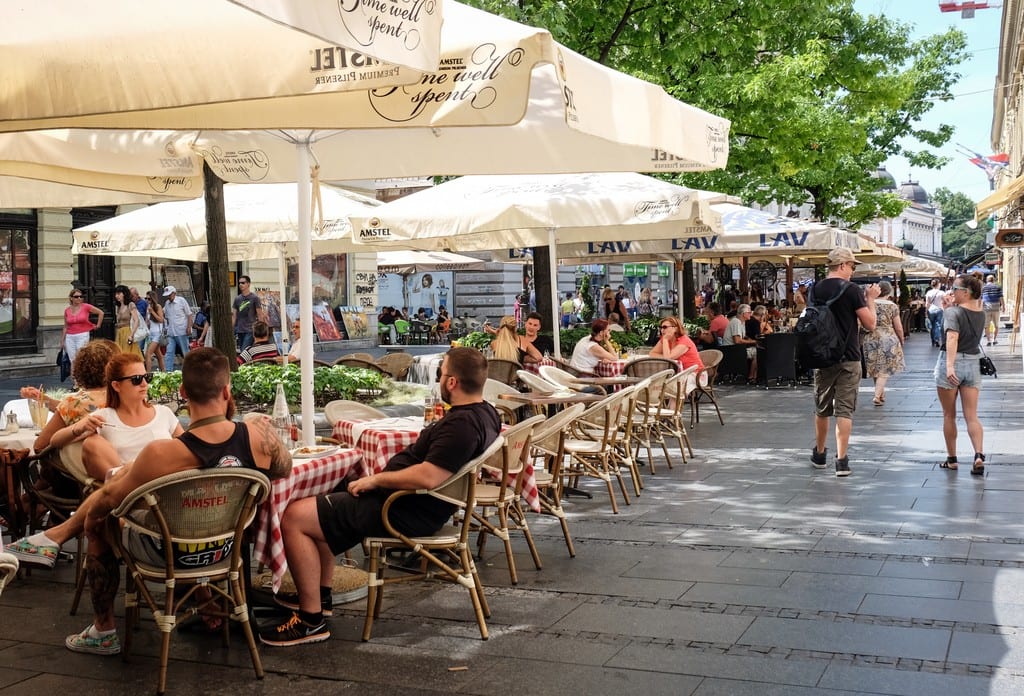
<point x="136" y="380"/>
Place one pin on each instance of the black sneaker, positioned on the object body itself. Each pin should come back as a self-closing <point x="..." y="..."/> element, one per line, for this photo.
<point x="818" y="458"/>
<point x="290" y="600"/>
<point x="294" y="631"/>
<point x="843" y="466"/>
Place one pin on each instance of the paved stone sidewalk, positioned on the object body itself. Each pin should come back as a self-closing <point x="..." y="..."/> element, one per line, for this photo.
<point x="743" y="572"/>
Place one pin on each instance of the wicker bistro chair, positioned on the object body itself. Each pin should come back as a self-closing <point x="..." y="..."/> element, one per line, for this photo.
<point x="444" y="555"/>
<point x="396" y="364"/>
<point x="548" y="443"/>
<point x="56" y="483"/>
<point x="360" y="356"/>
<point x="647" y="404"/>
<point x="670" y="415"/>
<point x="567" y="366"/>
<point x="343" y="409"/>
<point x="565" y="380"/>
<point x="502" y="370"/>
<point x="346" y="361"/>
<point x="537" y="384"/>
<point x="645" y="367"/>
<point x="705" y="388"/>
<point x="8" y="569"/>
<point x="208" y="509"/>
<point x="498" y="510"/>
<point x="595" y="437"/>
<point x="508" y="412"/>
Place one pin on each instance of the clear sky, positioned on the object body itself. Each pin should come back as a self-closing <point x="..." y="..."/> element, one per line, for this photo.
<point x="970" y="112"/>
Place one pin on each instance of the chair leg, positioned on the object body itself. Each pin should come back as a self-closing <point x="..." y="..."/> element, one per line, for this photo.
<point x="520" y="518"/>
<point x="241" y="612"/>
<point x="79" y="574"/>
<point x="373" y="590"/>
<point x="476" y="592"/>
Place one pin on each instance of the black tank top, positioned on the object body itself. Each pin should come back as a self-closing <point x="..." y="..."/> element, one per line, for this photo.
<point x="235" y="451"/>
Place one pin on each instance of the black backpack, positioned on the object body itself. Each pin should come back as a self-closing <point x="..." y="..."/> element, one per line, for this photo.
<point x="819" y="340"/>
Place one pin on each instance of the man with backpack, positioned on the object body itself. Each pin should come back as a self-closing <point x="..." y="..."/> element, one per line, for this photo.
<point x="836" y="384"/>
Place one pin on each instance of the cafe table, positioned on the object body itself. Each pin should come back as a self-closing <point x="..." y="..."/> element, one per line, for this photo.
<point x="610" y="368"/>
<point x="534" y="367"/>
<point x="616" y="381"/>
<point x="379" y="440"/>
<point x="557" y="398"/>
<point x="308" y="477"/>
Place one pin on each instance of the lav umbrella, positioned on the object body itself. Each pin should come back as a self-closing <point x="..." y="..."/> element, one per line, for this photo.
<point x="481" y="213"/>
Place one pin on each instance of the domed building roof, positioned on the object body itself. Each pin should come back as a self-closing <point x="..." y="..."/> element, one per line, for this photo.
<point x="886" y="181"/>
<point x="914" y="192"/>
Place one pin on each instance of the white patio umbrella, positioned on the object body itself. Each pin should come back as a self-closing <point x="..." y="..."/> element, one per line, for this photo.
<point x="17" y="192"/>
<point x="262" y="223"/>
<point x="506" y="98"/>
<point x="480" y="213"/>
<point x="107" y="56"/>
<point x="405" y="262"/>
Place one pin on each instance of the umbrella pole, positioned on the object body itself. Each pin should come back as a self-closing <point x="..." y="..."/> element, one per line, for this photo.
<point x="302" y="177"/>
<point x="555" y="304"/>
<point x="282" y="288"/>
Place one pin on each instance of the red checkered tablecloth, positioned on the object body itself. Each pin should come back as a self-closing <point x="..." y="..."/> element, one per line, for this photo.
<point x="308" y="477"/>
<point x="534" y="367"/>
<point x="610" y="368"/>
<point x="379" y="445"/>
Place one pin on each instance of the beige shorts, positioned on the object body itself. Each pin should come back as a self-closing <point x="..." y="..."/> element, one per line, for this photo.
<point x="835" y="390"/>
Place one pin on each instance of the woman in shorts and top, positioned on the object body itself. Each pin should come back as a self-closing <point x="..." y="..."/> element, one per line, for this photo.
<point x="957" y="371"/>
<point x="78" y="323"/>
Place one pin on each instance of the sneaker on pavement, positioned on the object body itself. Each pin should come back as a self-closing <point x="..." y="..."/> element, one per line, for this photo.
<point x="843" y="466"/>
<point x="290" y="600"/>
<point x="82" y="642"/>
<point x="294" y="631"/>
<point x="44" y="554"/>
<point x="818" y="458"/>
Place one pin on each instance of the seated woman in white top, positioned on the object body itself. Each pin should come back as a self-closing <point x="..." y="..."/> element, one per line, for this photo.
<point x="593" y="349"/>
<point x="128" y="423"/>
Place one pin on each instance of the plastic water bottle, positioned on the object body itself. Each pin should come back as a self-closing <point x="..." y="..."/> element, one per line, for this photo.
<point x="280" y="418"/>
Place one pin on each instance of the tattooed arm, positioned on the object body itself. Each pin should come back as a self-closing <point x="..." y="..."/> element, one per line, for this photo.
<point x="270" y="453"/>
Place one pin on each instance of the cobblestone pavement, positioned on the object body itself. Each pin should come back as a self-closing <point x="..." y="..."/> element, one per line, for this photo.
<point x="744" y="571"/>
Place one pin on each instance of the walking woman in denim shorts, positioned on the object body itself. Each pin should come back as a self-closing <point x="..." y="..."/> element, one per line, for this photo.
<point x="957" y="372"/>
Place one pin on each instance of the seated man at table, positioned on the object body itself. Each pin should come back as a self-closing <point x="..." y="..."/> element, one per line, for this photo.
<point x="317" y="529"/>
<point x="545" y="345"/>
<point x="212" y="440"/>
<point x="262" y="348"/>
<point x="592" y="349"/>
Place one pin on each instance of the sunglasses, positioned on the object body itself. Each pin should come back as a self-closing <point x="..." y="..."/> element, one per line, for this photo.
<point x="76" y="297"/>
<point x="136" y="380"/>
<point x="665" y="326"/>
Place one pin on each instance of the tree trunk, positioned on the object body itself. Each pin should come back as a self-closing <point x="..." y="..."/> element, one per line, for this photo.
<point x="217" y="260"/>
<point x="542" y="285"/>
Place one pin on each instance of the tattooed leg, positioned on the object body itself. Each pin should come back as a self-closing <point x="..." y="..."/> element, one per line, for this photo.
<point x="103" y="575"/>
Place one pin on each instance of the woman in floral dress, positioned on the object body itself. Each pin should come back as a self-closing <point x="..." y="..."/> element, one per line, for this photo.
<point x="883" y="347"/>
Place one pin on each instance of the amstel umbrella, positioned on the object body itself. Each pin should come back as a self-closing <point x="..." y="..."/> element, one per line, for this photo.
<point x="108" y="56"/>
<point x="405" y="262"/>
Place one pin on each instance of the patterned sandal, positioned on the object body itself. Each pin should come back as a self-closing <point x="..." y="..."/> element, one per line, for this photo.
<point x="979" y="465"/>
<point x="950" y="464"/>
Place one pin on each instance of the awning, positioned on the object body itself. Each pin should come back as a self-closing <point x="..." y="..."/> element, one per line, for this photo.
<point x="999" y="199"/>
<point x="407" y="262"/>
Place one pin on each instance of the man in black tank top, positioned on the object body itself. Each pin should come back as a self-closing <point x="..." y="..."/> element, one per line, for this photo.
<point x="316" y="529"/>
<point x="212" y="439"/>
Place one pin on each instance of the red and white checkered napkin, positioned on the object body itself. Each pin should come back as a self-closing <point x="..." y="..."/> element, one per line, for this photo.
<point x="309" y="477"/>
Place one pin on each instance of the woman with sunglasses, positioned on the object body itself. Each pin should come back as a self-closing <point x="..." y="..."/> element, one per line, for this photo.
<point x="957" y="371"/>
<point x="128" y="423"/>
<point x="125" y="425"/>
<point x="675" y="343"/>
<point x="78" y="323"/>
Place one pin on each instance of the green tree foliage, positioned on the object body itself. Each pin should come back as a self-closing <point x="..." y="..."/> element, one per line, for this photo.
<point x="958" y="240"/>
<point x="818" y="95"/>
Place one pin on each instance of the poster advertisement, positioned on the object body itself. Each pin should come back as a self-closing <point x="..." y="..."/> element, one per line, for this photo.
<point x="354" y="322"/>
<point x="323" y="323"/>
<point x="429" y="290"/>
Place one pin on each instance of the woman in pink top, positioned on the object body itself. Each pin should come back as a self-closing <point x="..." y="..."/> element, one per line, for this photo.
<point x="78" y="322"/>
<point x="675" y="344"/>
